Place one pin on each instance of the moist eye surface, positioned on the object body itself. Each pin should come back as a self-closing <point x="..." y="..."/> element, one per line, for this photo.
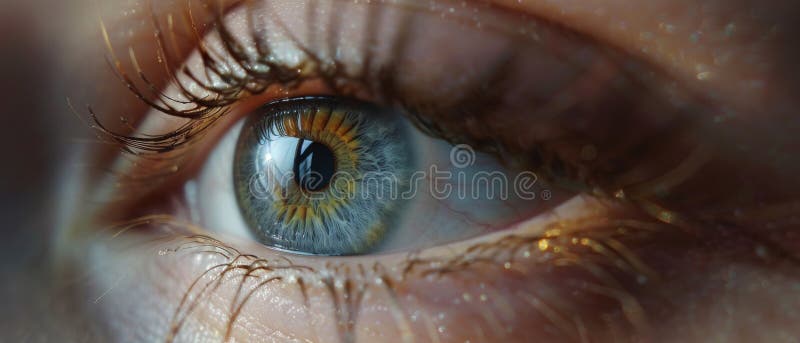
<point x="320" y="175"/>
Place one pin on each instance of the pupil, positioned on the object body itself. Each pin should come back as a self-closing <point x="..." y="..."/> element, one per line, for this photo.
<point x="313" y="165"/>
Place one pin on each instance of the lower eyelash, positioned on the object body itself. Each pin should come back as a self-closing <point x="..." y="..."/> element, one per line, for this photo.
<point x="594" y="248"/>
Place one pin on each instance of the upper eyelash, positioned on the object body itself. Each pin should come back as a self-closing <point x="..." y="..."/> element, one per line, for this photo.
<point x="205" y="112"/>
<point x="259" y="75"/>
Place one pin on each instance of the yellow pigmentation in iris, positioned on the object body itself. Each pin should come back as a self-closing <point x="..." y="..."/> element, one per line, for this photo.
<point x="315" y="158"/>
<point x="336" y="130"/>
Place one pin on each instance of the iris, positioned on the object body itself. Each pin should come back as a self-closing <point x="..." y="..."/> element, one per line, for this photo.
<point x="321" y="175"/>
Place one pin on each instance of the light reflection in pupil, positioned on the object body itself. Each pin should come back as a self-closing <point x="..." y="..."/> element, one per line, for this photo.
<point x="313" y="165"/>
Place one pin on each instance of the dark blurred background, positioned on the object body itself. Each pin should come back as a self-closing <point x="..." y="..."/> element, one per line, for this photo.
<point x="37" y="133"/>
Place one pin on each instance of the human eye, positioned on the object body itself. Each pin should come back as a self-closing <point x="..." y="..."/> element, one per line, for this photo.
<point x="335" y="176"/>
<point x="245" y="203"/>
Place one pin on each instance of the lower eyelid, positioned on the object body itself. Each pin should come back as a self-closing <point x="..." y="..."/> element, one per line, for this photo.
<point x="485" y="290"/>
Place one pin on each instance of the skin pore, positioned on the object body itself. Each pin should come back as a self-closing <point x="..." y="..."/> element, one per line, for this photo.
<point x="734" y="280"/>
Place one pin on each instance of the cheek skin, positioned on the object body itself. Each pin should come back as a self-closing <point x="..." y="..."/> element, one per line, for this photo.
<point x="542" y="294"/>
<point x="735" y="302"/>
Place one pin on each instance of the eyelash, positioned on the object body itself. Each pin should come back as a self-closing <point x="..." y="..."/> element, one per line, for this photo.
<point x="590" y="247"/>
<point x="502" y="253"/>
<point x="205" y="113"/>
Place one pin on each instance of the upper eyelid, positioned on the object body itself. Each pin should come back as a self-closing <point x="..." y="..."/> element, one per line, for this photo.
<point x="149" y="84"/>
<point x="165" y="34"/>
<point x="151" y="185"/>
<point x="152" y="74"/>
<point x="130" y="29"/>
<point x="133" y="118"/>
<point x="125" y="36"/>
<point x="149" y="142"/>
<point x="189" y="27"/>
<point x="169" y="147"/>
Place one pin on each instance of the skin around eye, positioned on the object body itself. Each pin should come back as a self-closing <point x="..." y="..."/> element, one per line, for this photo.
<point x="588" y="278"/>
<point x="505" y="76"/>
<point x="327" y="283"/>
